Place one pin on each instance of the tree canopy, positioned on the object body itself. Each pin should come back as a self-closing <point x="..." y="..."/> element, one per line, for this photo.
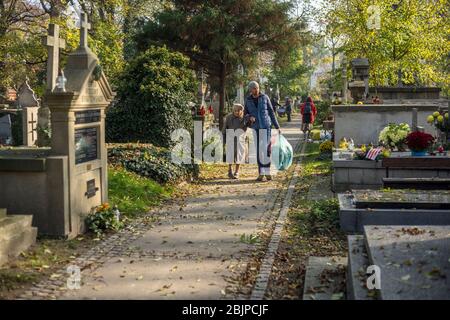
<point x="220" y="35"/>
<point x="412" y="41"/>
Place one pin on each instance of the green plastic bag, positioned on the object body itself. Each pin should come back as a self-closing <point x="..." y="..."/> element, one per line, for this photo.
<point x="282" y="153"/>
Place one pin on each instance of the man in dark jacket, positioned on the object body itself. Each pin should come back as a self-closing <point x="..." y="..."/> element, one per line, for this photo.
<point x="260" y="117"/>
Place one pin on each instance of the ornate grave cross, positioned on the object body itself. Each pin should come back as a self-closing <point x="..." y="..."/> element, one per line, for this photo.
<point x="53" y="43"/>
<point x="84" y="27"/>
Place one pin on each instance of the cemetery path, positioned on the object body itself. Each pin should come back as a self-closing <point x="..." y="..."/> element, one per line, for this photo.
<point x="197" y="249"/>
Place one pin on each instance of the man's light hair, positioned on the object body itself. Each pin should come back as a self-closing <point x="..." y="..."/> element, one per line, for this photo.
<point x="253" y="84"/>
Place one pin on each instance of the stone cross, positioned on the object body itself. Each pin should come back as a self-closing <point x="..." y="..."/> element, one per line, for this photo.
<point x="344" y="80"/>
<point x="202" y="89"/>
<point x="240" y="92"/>
<point x="33" y="126"/>
<point x="53" y="43"/>
<point x="414" y="126"/>
<point x="84" y="27"/>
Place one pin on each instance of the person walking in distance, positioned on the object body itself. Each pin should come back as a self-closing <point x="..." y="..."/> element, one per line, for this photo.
<point x="288" y="107"/>
<point x="308" y="111"/>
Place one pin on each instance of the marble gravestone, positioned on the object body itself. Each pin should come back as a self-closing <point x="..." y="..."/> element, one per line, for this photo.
<point x="29" y="104"/>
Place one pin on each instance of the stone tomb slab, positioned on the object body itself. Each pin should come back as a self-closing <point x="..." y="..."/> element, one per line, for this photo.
<point x="358" y="261"/>
<point x="352" y="219"/>
<point x="325" y="278"/>
<point x="414" y="261"/>
<point x="401" y="199"/>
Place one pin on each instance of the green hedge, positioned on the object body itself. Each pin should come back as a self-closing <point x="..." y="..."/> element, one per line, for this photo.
<point x="148" y="161"/>
<point x="323" y="111"/>
<point x="153" y="98"/>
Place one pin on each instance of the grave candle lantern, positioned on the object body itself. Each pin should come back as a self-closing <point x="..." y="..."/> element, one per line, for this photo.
<point x="61" y="82"/>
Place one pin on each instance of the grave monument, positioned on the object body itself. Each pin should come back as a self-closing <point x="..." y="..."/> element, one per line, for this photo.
<point x="62" y="184"/>
<point x="29" y="104"/>
<point x="363" y="122"/>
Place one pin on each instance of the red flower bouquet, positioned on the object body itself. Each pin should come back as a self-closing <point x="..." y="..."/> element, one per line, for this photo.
<point x="419" y="141"/>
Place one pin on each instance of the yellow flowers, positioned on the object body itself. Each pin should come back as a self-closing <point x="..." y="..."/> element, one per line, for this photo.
<point x="103" y="207"/>
<point x="439" y="119"/>
<point x="363" y="148"/>
<point x="326" y="146"/>
<point x="386" y="153"/>
<point x="343" y="144"/>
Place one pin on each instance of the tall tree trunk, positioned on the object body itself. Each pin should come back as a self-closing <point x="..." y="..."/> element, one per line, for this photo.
<point x="222" y="81"/>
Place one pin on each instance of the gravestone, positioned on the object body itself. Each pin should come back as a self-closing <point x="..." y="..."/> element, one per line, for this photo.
<point x="359" y="86"/>
<point x="5" y="129"/>
<point x="78" y="129"/>
<point x="30" y="107"/>
<point x="60" y="185"/>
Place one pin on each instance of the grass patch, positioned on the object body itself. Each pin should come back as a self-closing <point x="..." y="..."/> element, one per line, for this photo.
<point x="312" y="229"/>
<point x="313" y="164"/>
<point x="134" y="194"/>
<point x="318" y="218"/>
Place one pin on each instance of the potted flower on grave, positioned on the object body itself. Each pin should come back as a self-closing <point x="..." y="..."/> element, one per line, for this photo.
<point x="441" y="121"/>
<point x="393" y="136"/>
<point x="418" y="142"/>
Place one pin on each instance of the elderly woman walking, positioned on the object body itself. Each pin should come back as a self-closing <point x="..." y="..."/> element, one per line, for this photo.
<point x="235" y="128"/>
<point x="260" y="115"/>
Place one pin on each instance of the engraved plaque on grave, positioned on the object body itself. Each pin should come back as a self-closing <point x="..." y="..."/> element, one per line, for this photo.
<point x="86" y="145"/>
<point x="91" y="189"/>
<point x="87" y="116"/>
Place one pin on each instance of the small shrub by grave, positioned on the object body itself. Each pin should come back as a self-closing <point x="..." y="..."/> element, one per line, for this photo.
<point x="326" y="147"/>
<point x="149" y="161"/>
<point x="103" y="219"/>
<point x="323" y="111"/>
